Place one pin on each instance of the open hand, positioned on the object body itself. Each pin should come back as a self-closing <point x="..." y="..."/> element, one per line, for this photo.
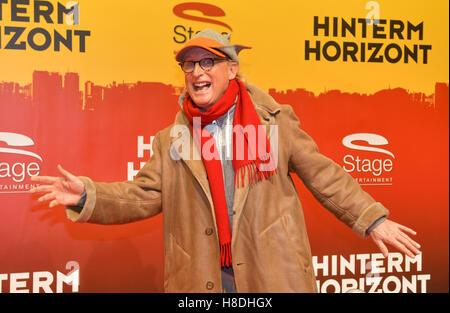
<point x="65" y="190"/>
<point x="395" y="235"/>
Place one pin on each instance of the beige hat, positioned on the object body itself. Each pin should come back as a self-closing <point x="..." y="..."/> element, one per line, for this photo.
<point x="214" y="42"/>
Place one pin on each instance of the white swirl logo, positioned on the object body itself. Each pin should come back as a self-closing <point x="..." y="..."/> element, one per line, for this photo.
<point x="372" y="139"/>
<point x="375" y="166"/>
<point x="17" y="140"/>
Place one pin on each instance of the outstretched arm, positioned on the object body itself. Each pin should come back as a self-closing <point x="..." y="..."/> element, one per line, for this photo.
<point x="106" y="203"/>
<point x="341" y="194"/>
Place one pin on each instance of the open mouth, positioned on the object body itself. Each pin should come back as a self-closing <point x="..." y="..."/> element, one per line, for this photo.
<point x="203" y="86"/>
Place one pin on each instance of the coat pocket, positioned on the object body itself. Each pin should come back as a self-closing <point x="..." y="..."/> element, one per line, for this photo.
<point x="285" y="259"/>
<point x="178" y="274"/>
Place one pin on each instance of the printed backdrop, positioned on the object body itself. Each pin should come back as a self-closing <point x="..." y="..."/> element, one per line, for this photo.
<point x="88" y="84"/>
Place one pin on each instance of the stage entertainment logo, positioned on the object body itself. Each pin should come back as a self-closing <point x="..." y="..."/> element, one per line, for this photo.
<point x="183" y="33"/>
<point x="370" y="165"/>
<point x="17" y="164"/>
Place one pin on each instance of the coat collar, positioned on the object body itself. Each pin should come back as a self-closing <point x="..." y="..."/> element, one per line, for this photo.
<point x="263" y="99"/>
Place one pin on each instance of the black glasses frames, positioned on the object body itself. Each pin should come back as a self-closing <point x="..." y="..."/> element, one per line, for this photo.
<point x="206" y="64"/>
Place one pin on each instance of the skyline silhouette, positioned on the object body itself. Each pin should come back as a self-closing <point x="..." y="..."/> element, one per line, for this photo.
<point x="49" y="89"/>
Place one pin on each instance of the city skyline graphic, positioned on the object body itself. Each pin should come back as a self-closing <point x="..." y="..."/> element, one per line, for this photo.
<point x="48" y="89"/>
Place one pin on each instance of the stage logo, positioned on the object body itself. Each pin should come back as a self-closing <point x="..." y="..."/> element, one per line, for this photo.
<point x="17" y="163"/>
<point x="205" y="13"/>
<point x="368" y="163"/>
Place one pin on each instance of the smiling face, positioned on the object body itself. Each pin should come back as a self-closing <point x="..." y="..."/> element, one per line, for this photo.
<point x="206" y="87"/>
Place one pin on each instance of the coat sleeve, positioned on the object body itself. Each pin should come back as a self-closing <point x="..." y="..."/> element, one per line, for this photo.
<point x="330" y="184"/>
<point x="123" y="202"/>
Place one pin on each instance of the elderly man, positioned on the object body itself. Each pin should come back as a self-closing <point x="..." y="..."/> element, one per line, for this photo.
<point x="233" y="220"/>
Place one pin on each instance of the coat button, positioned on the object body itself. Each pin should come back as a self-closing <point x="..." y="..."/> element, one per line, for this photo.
<point x="209" y="285"/>
<point x="209" y="231"/>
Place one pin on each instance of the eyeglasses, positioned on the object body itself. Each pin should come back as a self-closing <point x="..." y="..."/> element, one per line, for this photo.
<point x="206" y="64"/>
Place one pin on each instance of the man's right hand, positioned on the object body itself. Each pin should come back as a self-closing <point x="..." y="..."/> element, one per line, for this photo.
<point x="65" y="190"/>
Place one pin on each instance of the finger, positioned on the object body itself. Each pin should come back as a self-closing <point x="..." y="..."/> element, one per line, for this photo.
<point x="65" y="173"/>
<point x="402" y="248"/>
<point x="410" y="240"/>
<point x="407" y="229"/>
<point x="408" y="245"/>
<point x="382" y="247"/>
<point x="53" y="203"/>
<point x="47" y="197"/>
<point x="45" y="188"/>
<point x="45" y="179"/>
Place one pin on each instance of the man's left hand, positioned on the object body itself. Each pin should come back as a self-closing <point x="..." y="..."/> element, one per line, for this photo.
<point x="395" y="235"/>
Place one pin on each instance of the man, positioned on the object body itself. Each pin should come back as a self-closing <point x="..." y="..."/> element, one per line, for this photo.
<point x="232" y="217"/>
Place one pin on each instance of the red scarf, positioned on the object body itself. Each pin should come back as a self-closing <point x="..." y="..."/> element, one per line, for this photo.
<point x="245" y="115"/>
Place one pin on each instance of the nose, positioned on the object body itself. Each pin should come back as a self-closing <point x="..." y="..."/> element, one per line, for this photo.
<point x="197" y="70"/>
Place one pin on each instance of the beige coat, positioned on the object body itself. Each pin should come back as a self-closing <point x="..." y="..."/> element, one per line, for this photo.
<point x="270" y="247"/>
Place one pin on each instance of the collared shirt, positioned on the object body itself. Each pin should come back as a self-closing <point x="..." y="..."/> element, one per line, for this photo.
<point x="222" y="131"/>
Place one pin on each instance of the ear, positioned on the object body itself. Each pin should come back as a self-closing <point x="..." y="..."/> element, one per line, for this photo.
<point x="233" y="69"/>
